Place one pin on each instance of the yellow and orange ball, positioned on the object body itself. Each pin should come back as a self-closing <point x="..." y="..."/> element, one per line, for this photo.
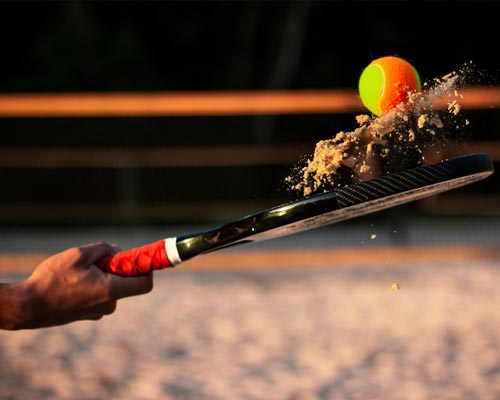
<point x="386" y="82"/>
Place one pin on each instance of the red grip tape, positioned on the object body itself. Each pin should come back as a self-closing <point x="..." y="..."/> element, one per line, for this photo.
<point x="138" y="261"/>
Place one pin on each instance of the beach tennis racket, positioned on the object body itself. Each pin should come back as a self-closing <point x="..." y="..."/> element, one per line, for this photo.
<point x="306" y="213"/>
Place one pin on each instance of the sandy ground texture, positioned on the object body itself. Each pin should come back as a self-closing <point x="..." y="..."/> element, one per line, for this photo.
<point x="296" y="334"/>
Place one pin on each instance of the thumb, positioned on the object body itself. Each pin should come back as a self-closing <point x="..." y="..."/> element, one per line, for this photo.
<point x="92" y="252"/>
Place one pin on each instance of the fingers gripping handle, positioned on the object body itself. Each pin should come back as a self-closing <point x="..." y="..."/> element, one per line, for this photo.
<point x="142" y="260"/>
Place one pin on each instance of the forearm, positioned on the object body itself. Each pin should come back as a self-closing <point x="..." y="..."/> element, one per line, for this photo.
<point x="13" y="306"/>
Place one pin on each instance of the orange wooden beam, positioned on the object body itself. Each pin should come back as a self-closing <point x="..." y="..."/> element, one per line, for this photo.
<point x="386" y="256"/>
<point x="182" y="156"/>
<point x="206" y="103"/>
<point x="177" y="104"/>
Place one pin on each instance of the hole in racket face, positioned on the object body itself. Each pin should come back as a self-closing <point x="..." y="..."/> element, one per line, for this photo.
<point x="341" y="204"/>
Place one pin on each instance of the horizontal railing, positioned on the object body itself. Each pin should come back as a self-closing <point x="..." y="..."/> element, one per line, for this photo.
<point x="206" y="103"/>
<point x="341" y="258"/>
<point x="181" y="156"/>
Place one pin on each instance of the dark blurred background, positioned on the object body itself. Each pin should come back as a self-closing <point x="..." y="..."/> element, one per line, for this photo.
<point x="112" y="47"/>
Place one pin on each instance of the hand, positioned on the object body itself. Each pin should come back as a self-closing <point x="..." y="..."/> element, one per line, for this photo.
<point x="69" y="287"/>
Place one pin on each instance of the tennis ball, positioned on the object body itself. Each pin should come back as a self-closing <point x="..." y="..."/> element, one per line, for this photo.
<point x="385" y="83"/>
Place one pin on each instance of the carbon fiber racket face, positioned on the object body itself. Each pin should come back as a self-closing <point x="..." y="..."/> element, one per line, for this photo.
<point x="341" y="204"/>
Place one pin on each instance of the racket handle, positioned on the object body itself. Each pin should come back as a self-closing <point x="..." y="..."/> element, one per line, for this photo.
<point x="140" y="260"/>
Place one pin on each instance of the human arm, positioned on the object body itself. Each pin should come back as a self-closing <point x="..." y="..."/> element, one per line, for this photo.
<point x="67" y="287"/>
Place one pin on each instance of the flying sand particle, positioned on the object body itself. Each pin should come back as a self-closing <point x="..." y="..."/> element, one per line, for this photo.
<point x="410" y="135"/>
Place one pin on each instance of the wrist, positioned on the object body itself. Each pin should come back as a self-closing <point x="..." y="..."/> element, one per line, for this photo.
<point x="14" y="306"/>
